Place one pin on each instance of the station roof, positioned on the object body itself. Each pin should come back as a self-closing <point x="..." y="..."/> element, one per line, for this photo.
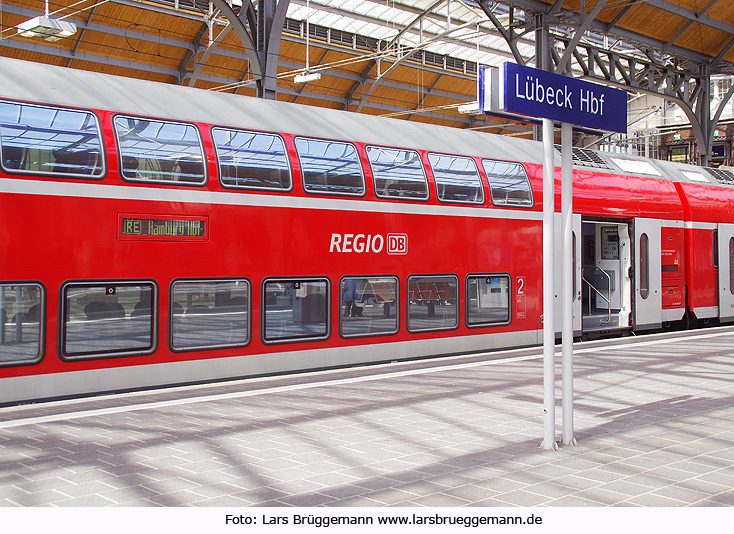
<point x="412" y="59"/>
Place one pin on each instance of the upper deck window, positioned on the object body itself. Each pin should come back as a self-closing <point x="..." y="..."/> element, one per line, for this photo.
<point x="508" y="184"/>
<point x="46" y="140"/>
<point x="158" y="151"/>
<point x="398" y="173"/>
<point x="457" y="179"/>
<point x="329" y="167"/>
<point x="252" y="160"/>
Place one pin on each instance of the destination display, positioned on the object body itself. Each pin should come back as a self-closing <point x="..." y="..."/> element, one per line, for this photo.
<point x="140" y="226"/>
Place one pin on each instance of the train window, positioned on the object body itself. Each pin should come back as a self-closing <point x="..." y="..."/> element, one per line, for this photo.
<point x="508" y="184"/>
<point x="433" y="303"/>
<point x="716" y="249"/>
<point x="209" y="314"/>
<point x="252" y="160"/>
<point x="295" y="310"/>
<point x="731" y="265"/>
<point x="644" y="266"/>
<point x="457" y="179"/>
<point x="329" y="167"/>
<point x="369" y="306"/>
<point x="45" y="140"/>
<point x="158" y="151"/>
<point x="21" y="323"/>
<point x="487" y="299"/>
<point x="108" y="319"/>
<point x="397" y="173"/>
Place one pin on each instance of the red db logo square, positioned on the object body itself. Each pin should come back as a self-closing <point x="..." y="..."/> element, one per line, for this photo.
<point x="397" y="244"/>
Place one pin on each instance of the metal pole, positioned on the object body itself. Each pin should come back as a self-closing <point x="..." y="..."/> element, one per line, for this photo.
<point x="549" y="330"/>
<point x="567" y="296"/>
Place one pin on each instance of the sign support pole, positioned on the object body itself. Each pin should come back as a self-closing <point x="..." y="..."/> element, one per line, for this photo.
<point x="567" y="295"/>
<point x="549" y="330"/>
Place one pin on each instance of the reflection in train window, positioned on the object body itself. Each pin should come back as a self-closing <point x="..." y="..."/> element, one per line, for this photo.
<point x="329" y="167"/>
<point x="369" y="306"/>
<point x="397" y="173"/>
<point x="457" y="179"/>
<point x="295" y="310"/>
<point x="433" y="303"/>
<point x="157" y="151"/>
<point x="108" y="319"/>
<point x="508" y="184"/>
<point x="209" y="314"/>
<point x="251" y="160"/>
<point x="44" y="140"/>
<point x="21" y="323"/>
<point x="487" y="299"/>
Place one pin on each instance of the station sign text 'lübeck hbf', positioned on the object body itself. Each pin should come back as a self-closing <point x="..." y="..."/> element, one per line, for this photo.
<point x="516" y="89"/>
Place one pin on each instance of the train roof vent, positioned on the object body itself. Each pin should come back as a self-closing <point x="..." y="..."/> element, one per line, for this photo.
<point x="722" y="176"/>
<point x="586" y="158"/>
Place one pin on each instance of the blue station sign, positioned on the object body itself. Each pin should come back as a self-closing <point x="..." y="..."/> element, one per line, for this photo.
<point x="538" y="93"/>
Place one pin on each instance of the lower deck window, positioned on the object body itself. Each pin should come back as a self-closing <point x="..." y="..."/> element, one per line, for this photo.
<point x="20" y="323"/>
<point x="369" y="306"/>
<point x="295" y="310"/>
<point x="433" y="303"/>
<point x="209" y="314"/>
<point x="487" y="300"/>
<point x="108" y="319"/>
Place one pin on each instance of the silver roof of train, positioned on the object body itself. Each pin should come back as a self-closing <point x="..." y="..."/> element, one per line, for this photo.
<point x="24" y="80"/>
<point x="50" y="84"/>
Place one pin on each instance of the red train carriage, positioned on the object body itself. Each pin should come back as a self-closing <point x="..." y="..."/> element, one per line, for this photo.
<point x="158" y="235"/>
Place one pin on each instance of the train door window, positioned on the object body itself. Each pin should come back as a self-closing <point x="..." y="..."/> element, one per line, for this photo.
<point x="295" y="310"/>
<point x="369" y="306"/>
<point x="644" y="266"/>
<point x="108" y="319"/>
<point x="433" y="303"/>
<point x="508" y="184"/>
<point x="46" y="140"/>
<point x="457" y="179"/>
<point x="329" y="167"/>
<point x="252" y="160"/>
<point x="731" y="265"/>
<point x="716" y="249"/>
<point x="397" y="173"/>
<point x="158" y="151"/>
<point x="21" y="323"/>
<point x="487" y="299"/>
<point x="209" y="314"/>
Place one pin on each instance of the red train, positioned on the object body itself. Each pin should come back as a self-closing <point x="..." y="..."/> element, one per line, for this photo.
<point x="156" y="235"/>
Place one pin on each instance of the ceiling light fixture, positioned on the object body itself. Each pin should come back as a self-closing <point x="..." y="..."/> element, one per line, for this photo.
<point x="46" y="27"/>
<point x="307" y="77"/>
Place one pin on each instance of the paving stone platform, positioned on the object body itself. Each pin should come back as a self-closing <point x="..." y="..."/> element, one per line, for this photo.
<point x="654" y="423"/>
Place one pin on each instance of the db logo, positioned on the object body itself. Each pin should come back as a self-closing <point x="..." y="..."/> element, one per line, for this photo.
<point x="397" y="244"/>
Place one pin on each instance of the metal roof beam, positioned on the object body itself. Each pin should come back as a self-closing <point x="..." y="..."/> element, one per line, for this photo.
<point x="626" y="35"/>
<point x="686" y="13"/>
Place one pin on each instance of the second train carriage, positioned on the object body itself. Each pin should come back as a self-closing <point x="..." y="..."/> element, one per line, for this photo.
<point x="159" y="235"/>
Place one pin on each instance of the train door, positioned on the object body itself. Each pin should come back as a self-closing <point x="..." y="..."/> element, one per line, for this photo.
<point x="648" y="274"/>
<point x="726" y="272"/>
<point x="606" y="293"/>
<point x="558" y="262"/>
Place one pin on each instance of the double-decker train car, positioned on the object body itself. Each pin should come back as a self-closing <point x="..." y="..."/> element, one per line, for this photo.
<point x="155" y="235"/>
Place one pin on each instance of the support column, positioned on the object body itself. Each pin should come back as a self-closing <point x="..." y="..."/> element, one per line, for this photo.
<point x="549" y="327"/>
<point x="567" y="295"/>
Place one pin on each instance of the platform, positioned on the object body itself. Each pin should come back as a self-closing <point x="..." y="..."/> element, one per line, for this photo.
<point x="654" y="423"/>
